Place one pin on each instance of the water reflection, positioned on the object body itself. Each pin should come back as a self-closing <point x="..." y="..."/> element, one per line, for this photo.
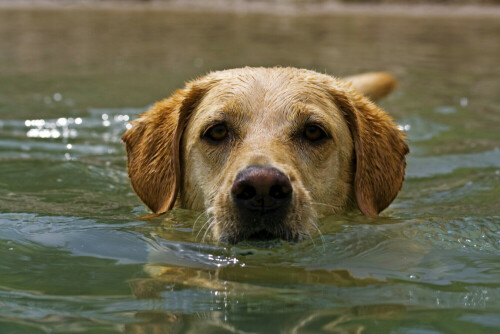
<point x="47" y="130"/>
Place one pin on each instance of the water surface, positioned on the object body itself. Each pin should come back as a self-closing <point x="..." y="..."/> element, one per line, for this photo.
<point x="74" y="258"/>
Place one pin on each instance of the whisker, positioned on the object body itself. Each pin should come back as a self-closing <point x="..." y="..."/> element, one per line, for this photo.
<point x="316" y="227"/>
<point x="198" y="218"/>
<point x="311" y="238"/>
<point x="329" y="205"/>
<point x="212" y="224"/>
<point x="209" y="221"/>
<point x="334" y="208"/>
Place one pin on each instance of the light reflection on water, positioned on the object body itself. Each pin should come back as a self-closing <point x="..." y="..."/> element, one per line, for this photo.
<point x="75" y="259"/>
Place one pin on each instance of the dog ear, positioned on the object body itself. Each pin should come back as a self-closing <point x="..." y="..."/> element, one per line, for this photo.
<point x="153" y="147"/>
<point x="380" y="151"/>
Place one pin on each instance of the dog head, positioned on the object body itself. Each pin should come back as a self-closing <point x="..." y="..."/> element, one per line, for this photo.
<point x="265" y="151"/>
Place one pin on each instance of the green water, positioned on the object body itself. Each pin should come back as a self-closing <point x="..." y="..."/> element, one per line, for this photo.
<point x="74" y="258"/>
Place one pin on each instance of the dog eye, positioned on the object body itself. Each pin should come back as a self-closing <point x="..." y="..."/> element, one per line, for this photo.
<point x="314" y="133"/>
<point x="217" y="132"/>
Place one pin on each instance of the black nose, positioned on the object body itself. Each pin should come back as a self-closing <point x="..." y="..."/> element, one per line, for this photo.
<point x="261" y="189"/>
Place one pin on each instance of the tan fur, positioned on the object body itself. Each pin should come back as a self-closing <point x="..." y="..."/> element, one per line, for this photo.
<point x="374" y="85"/>
<point x="362" y="165"/>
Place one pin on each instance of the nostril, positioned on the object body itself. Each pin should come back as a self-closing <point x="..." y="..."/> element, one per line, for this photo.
<point x="245" y="192"/>
<point x="280" y="191"/>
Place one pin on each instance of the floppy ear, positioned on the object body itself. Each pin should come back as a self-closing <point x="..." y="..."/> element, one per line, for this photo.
<point x="380" y="151"/>
<point x="153" y="147"/>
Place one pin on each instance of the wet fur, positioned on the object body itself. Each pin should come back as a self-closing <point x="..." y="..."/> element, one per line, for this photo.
<point x="362" y="166"/>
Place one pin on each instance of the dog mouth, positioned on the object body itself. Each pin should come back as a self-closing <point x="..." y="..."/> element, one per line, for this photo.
<point x="262" y="235"/>
<point x="254" y="237"/>
<point x="259" y="234"/>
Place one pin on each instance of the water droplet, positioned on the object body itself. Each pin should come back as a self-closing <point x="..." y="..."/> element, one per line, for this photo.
<point x="57" y="97"/>
<point x="121" y="118"/>
<point x="78" y="120"/>
<point x="445" y="110"/>
<point x="32" y="133"/>
<point x="69" y="146"/>
<point x="35" y="122"/>
<point x="405" y="127"/>
<point x="55" y="134"/>
<point x="464" y="102"/>
<point x="62" y="122"/>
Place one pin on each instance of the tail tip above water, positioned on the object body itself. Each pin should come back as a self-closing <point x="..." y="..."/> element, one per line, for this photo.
<point x="375" y="85"/>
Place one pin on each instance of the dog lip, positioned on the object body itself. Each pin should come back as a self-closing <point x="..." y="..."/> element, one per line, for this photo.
<point x="260" y="232"/>
<point x="262" y="235"/>
<point x="263" y="218"/>
<point x="263" y="205"/>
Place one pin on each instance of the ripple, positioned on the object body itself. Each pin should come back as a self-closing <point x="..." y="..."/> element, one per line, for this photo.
<point x="421" y="129"/>
<point x="56" y="312"/>
<point x="79" y="236"/>
<point x="420" y="167"/>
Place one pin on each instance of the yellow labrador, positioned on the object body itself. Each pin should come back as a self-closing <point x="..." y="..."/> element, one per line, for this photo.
<point x="265" y="151"/>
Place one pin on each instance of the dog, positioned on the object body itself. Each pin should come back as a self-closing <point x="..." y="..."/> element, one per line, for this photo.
<point x="266" y="151"/>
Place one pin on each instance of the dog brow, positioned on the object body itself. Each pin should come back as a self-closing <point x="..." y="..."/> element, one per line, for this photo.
<point x="227" y="111"/>
<point x="299" y="111"/>
<point x="232" y="108"/>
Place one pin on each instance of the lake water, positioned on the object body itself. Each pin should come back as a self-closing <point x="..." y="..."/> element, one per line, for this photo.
<point x="74" y="258"/>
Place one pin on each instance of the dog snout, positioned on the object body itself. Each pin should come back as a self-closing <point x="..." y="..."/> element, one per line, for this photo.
<point x="261" y="189"/>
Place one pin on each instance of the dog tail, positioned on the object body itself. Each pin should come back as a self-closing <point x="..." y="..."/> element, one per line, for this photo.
<point x="374" y="85"/>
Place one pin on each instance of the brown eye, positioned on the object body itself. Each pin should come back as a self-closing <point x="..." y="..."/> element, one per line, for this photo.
<point x="217" y="132"/>
<point x="314" y="133"/>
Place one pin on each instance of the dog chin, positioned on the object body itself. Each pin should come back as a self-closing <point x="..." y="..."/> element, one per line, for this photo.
<point x="229" y="229"/>
<point x="260" y="234"/>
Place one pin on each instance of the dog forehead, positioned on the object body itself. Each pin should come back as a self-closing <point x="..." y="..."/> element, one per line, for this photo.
<point x="265" y="83"/>
<point x="266" y="94"/>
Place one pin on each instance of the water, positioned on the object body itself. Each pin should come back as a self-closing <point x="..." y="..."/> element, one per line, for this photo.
<point x="74" y="258"/>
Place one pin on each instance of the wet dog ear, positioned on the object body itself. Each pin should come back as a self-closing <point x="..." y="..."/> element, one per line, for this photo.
<point x="153" y="147"/>
<point x="380" y="151"/>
